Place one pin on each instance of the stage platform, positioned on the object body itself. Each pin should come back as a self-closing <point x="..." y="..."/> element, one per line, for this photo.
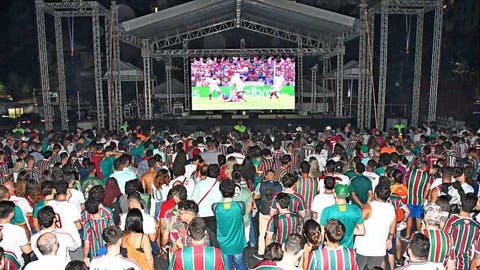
<point x="192" y="123"/>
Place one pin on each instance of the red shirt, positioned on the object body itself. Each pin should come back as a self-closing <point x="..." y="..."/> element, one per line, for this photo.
<point x="167" y="205"/>
<point x="96" y="159"/>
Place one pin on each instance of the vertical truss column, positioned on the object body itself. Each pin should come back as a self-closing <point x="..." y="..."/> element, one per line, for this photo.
<point x="437" y="38"/>
<point x="340" y="47"/>
<point x="43" y="59"/>
<point x="369" y="83"/>
<point x="62" y="88"/>
<point x="417" y="76"/>
<point x="382" y="77"/>
<point x="238" y="14"/>
<point x="116" y="67"/>
<point x="313" y="98"/>
<point x="168" y="72"/>
<point x="109" y="65"/>
<point x="97" y="59"/>
<point x="324" y="79"/>
<point x="186" y="78"/>
<point x="362" y="54"/>
<point x="147" y="81"/>
<point x="300" y="72"/>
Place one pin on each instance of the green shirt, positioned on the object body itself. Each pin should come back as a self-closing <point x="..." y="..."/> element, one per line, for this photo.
<point x="106" y="166"/>
<point x="361" y="185"/>
<point x="18" y="217"/>
<point x="246" y="197"/>
<point x="349" y="214"/>
<point x="231" y="238"/>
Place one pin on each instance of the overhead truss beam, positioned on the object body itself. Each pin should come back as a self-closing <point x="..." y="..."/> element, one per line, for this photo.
<point x="258" y="51"/>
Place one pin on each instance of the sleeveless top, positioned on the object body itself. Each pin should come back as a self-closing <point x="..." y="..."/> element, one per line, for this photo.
<point x="135" y="253"/>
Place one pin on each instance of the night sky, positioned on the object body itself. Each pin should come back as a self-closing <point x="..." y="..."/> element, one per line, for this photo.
<point x="460" y="64"/>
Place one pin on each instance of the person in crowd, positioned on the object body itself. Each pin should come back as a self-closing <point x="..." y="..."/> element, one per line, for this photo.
<point x="198" y="255"/>
<point x="360" y="186"/>
<point x="263" y="195"/>
<point x="122" y="172"/>
<point x="284" y="222"/>
<point x="418" y="183"/>
<point x="335" y="255"/>
<point x="380" y="228"/>
<point x="323" y="199"/>
<point x="47" y="190"/>
<point x="418" y="250"/>
<point x="307" y="187"/>
<point x="48" y="246"/>
<point x="47" y="218"/>
<point x="465" y="232"/>
<point x="231" y="239"/>
<point x="67" y="216"/>
<point x="297" y="204"/>
<point x="113" y="236"/>
<point x="349" y="214"/>
<point x="313" y="239"/>
<point x="273" y="255"/>
<point x="292" y="252"/>
<point x="135" y="244"/>
<point x="206" y="193"/>
<point x="18" y="217"/>
<point x="13" y="237"/>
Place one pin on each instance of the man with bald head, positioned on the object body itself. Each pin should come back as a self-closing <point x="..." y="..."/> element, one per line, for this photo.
<point x="48" y="245"/>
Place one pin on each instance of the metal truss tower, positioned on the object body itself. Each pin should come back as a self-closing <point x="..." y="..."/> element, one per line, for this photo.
<point x="73" y="8"/>
<point x="339" y="77"/>
<point x="400" y="7"/>
<point x="147" y="82"/>
<point x="437" y="38"/>
<point x="362" y="66"/>
<point x="313" y="98"/>
<point x="300" y="72"/>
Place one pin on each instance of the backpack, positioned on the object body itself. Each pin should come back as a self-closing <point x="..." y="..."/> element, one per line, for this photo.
<point x="268" y="190"/>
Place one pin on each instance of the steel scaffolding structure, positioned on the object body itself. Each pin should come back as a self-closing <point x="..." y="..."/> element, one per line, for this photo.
<point x="147" y="82"/>
<point x="362" y="66"/>
<point x="117" y="83"/>
<point x="339" y="77"/>
<point x="58" y="10"/>
<point x="400" y="7"/>
<point x="417" y="76"/>
<point x="313" y="98"/>
<point x="186" y="78"/>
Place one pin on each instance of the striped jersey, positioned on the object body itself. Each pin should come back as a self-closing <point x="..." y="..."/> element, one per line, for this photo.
<point x="197" y="257"/>
<point x="280" y="172"/>
<point x="267" y="265"/>
<point x="43" y="165"/>
<point x="33" y="174"/>
<point x="268" y="164"/>
<point x="333" y="259"/>
<point x="440" y="245"/>
<point x="93" y="233"/>
<point x="465" y="233"/>
<point x="307" y="188"/>
<point x="417" y="182"/>
<point x="296" y="203"/>
<point x="282" y="225"/>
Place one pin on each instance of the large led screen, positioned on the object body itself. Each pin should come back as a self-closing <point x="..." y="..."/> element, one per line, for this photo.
<point x="242" y="83"/>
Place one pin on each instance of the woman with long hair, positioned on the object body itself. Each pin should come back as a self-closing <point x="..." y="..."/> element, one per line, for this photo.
<point x="229" y="167"/>
<point x="313" y="236"/>
<point x="135" y="243"/>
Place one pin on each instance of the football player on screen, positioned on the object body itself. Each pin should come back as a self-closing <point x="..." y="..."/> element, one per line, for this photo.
<point x="278" y="82"/>
<point x="213" y="84"/>
<point x="238" y="83"/>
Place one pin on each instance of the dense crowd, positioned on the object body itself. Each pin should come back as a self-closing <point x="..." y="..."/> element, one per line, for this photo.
<point x="280" y="198"/>
<point x="254" y="69"/>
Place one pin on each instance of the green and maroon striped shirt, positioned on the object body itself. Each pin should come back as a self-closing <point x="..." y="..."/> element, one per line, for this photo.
<point x="333" y="259"/>
<point x="307" y="188"/>
<point x="465" y="233"/>
<point x="417" y="182"/>
<point x="440" y="245"/>
<point x="282" y="225"/>
<point x="93" y="233"/>
<point x="296" y="203"/>
<point x="197" y="257"/>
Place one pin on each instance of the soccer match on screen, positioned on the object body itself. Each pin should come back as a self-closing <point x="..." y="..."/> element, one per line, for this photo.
<point x="243" y="83"/>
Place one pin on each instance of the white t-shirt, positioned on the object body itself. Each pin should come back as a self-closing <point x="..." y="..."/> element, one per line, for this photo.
<point x="148" y="223"/>
<point x="65" y="241"/>
<point x="214" y="196"/>
<point x="424" y="266"/>
<point x="321" y="159"/>
<point x="377" y="227"/>
<point x="22" y="203"/>
<point x="320" y="202"/>
<point x="239" y="157"/>
<point x="14" y="238"/>
<point x="375" y="178"/>
<point x="77" y="199"/>
<point x="345" y="179"/>
<point x="67" y="215"/>
<point x="47" y="262"/>
<point x="113" y="263"/>
<point x="436" y="183"/>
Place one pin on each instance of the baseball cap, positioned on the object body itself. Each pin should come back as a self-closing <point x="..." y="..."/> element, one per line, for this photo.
<point x="342" y="191"/>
